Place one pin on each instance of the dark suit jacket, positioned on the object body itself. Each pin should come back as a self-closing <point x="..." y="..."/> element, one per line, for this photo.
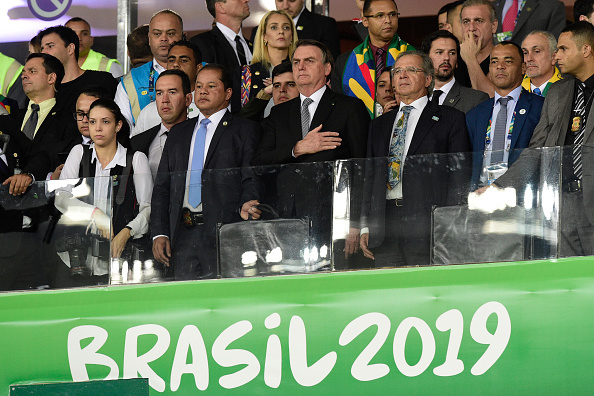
<point x="477" y="121"/>
<point x="316" y="27"/>
<point x="548" y="15"/>
<point x="259" y="73"/>
<point x="429" y="177"/>
<point x="56" y="135"/>
<point x="223" y="192"/>
<point x="463" y="98"/>
<point x="551" y="131"/>
<point x="142" y="142"/>
<point x="216" y="49"/>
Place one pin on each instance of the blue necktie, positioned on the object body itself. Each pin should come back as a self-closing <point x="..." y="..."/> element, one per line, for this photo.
<point x="195" y="191"/>
<point x="536" y="91"/>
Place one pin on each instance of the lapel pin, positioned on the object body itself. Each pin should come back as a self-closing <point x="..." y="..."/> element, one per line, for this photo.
<point x="451" y="100"/>
<point x="522" y="111"/>
<point x="224" y="123"/>
<point x="54" y="113"/>
<point x="528" y="9"/>
<point x="435" y="118"/>
<point x="299" y="27"/>
<point x="15" y="155"/>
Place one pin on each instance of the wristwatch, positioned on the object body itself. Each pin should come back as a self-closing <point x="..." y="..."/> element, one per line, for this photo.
<point x="131" y="230"/>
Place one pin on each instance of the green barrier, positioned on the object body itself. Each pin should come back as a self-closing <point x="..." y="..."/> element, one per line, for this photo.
<point x="519" y="328"/>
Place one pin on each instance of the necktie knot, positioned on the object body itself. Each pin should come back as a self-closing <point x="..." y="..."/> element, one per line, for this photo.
<point x="537" y="91"/>
<point x="406" y="110"/>
<point x="34" y="107"/>
<point x="306" y="102"/>
<point x="436" y="94"/>
<point x="503" y="100"/>
<point x="204" y="122"/>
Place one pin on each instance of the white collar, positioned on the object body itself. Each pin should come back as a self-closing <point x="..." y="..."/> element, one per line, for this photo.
<point x="227" y="32"/>
<point x="515" y="94"/>
<point x="214" y="118"/>
<point x="158" y="68"/>
<point x="316" y="96"/>
<point x="418" y="104"/>
<point x="298" y="15"/>
<point x="448" y="86"/>
<point x="162" y="130"/>
<point x="118" y="159"/>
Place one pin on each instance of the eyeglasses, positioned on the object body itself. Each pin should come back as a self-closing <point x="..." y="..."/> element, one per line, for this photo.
<point x="410" y="69"/>
<point x="380" y="16"/>
<point x="80" y="115"/>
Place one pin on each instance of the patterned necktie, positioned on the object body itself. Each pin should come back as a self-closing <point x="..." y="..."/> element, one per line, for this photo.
<point x="380" y="63"/>
<point x="436" y="94"/>
<point x="579" y="111"/>
<point x="240" y="51"/>
<point x="195" y="191"/>
<point x="305" y="117"/>
<point x="509" y="22"/>
<point x="500" y="132"/>
<point x="536" y="91"/>
<point x="397" y="148"/>
<point x="31" y="124"/>
<point x="246" y="84"/>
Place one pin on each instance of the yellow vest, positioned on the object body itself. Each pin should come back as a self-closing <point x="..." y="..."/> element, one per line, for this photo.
<point x="10" y="70"/>
<point x="556" y="77"/>
<point x="97" y="61"/>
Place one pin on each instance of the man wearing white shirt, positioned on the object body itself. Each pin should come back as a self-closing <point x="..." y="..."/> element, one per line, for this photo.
<point x="191" y="196"/>
<point x="496" y="136"/>
<point x="443" y="49"/>
<point x="400" y="190"/>
<point x="184" y="56"/>
<point x="137" y="88"/>
<point x="225" y="43"/>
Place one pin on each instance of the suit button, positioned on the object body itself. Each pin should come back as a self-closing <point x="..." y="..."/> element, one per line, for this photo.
<point x="257" y="73"/>
<point x="255" y="86"/>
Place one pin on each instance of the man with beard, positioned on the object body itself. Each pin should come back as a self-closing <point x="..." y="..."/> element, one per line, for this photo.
<point x="539" y="54"/>
<point x="443" y="49"/>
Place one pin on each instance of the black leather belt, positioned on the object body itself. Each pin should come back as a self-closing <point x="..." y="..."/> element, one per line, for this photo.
<point x="573" y="186"/>
<point x="396" y="202"/>
<point x="191" y="219"/>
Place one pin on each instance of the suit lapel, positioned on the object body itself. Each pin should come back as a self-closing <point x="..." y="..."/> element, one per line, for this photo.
<point x="186" y="142"/>
<point x="526" y="12"/>
<point x="483" y="122"/>
<point x="295" y="119"/>
<point x="219" y="132"/>
<point x="385" y="134"/>
<point x="222" y="41"/>
<point x="453" y="96"/>
<point x="520" y="117"/>
<point x="323" y="110"/>
<point x="428" y="118"/>
<point x="565" y="112"/>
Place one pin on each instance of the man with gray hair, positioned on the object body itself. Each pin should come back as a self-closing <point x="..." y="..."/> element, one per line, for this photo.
<point x="539" y="49"/>
<point x="396" y="219"/>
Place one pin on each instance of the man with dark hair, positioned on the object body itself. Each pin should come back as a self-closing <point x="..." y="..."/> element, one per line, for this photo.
<point x="174" y="95"/>
<point x="454" y="25"/>
<point x="518" y="18"/>
<point x="282" y="89"/>
<point x="225" y="43"/>
<point x="583" y="10"/>
<point x="478" y="25"/>
<point x="567" y="119"/>
<point x="443" y="49"/>
<point x="310" y="25"/>
<point x="190" y="197"/>
<point x="44" y="123"/>
<point x="442" y="16"/>
<point x="62" y="42"/>
<point x="402" y="185"/>
<point x="139" y="50"/>
<point x="87" y="58"/>
<point x="185" y="56"/>
<point x="137" y="88"/>
<point x="361" y="66"/>
<point x="319" y="125"/>
<point x="539" y="54"/>
<point x="507" y="120"/>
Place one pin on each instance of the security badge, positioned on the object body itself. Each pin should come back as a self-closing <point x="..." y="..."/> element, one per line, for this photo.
<point x="575" y="124"/>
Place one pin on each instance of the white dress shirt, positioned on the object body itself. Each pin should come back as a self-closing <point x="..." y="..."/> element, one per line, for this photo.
<point x="156" y="150"/>
<point x="313" y="106"/>
<point x="123" y="101"/>
<point x="413" y="119"/>
<point x="210" y="130"/>
<point x="511" y="106"/>
<point x="445" y="90"/>
<point x="230" y="36"/>
<point x="70" y="205"/>
<point x="542" y="87"/>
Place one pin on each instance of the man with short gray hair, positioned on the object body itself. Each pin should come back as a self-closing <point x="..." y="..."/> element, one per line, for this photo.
<point x="396" y="219"/>
<point x="539" y="49"/>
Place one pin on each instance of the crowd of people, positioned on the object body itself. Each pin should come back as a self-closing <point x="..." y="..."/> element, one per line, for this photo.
<point x="496" y="78"/>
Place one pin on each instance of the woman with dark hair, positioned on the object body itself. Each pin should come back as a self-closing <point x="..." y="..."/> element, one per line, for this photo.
<point x="109" y="163"/>
<point x="274" y="42"/>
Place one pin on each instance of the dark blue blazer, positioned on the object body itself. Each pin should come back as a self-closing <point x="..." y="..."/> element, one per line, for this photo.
<point x="477" y="121"/>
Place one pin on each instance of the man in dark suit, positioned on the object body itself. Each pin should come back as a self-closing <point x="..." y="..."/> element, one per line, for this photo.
<point x="338" y="130"/>
<point x="311" y="26"/>
<point x="45" y="124"/>
<point x="443" y="49"/>
<point x="402" y="185"/>
<point x="516" y="23"/>
<point x="521" y="115"/>
<point x="567" y="120"/>
<point x="191" y="195"/>
<point x="174" y="95"/>
<point x="225" y="44"/>
<point x="21" y="266"/>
